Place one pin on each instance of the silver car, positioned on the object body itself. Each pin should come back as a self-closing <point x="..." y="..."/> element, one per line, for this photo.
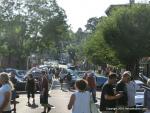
<point x="139" y="97"/>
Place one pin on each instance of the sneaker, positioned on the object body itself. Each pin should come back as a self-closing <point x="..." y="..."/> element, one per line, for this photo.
<point x="43" y="112"/>
<point x="95" y="101"/>
<point x="33" y="101"/>
<point x="29" y="104"/>
<point x="48" y="109"/>
<point x="14" y="110"/>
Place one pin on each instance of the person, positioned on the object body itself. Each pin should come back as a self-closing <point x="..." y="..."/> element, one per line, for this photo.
<point x="30" y="88"/>
<point x="5" y="93"/>
<point x="69" y="80"/>
<point x="62" y="76"/>
<point x="147" y="97"/>
<point x="50" y="77"/>
<point x="80" y="100"/>
<point x="57" y="70"/>
<point x="121" y="87"/>
<point x="131" y="92"/>
<point x="14" y="93"/>
<point x="44" y="92"/>
<point x="92" y="85"/>
<point x="85" y="75"/>
<point x="108" y="96"/>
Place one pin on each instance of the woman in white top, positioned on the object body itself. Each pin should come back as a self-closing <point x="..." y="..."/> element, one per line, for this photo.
<point x="5" y="93"/>
<point x="80" y="100"/>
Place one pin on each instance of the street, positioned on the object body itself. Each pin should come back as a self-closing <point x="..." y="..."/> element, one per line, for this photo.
<point x="58" y="98"/>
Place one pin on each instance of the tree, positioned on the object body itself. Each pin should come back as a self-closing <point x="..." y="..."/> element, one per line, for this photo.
<point x="30" y="26"/>
<point x="126" y="31"/>
<point x="98" y="52"/>
<point x="12" y="31"/>
<point x="50" y="22"/>
<point x="91" y="24"/>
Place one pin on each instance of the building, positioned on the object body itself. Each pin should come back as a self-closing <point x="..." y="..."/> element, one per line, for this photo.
<point x="113" y="7"/>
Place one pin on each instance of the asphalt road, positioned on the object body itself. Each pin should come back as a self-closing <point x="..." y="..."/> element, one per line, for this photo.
<point x="58" y="99"/>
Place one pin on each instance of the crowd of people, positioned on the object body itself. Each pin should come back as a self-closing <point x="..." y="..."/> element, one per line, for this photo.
<point x="8" y="84"/>
<point x="116" y="96"/>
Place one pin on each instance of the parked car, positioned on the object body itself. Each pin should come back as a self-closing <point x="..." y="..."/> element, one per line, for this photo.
<point x="19" y="76"/>
<point x="36" y="72"/>
<point x="74" y="76"/>
<point x="100" y="80"/>
<point x="139" y="97"/>
<point x="81" y="73"/>
<point x="19" y="73"/>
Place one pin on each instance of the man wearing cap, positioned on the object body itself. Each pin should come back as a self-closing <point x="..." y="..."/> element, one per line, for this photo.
<point x="121" y="88"/>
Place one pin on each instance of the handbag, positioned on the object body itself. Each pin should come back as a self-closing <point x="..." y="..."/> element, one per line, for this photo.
<point x="93" y="107"/>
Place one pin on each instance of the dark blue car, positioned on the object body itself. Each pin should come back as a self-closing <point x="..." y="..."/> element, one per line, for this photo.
<point x="100" y="80"/>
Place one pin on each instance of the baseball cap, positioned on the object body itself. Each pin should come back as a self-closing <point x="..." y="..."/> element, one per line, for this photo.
<point x="127" y="73"/>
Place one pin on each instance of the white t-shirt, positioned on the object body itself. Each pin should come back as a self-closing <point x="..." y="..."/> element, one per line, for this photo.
<point x="5" y="88"/>
<point x="62" y="74"/>
<point x="131" y="91"/>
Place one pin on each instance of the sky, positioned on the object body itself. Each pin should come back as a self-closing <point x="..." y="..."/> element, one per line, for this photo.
<point x="79" y="11"/>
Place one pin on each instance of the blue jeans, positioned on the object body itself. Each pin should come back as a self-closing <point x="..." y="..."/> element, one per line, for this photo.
<point x="93" y="91"/>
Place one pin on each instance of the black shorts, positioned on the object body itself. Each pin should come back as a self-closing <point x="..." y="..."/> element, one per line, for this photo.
<point x="61" y="80"/>
<point x="30" y="92"/>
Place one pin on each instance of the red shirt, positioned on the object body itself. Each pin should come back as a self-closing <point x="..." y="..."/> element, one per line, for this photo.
<point x="44" y="83"/>
<point x="91" y="81"/>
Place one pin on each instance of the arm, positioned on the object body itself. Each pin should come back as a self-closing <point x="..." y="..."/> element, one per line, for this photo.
<point x="26" y="86"/>
<point x="34" y="84"/>
<point x="108" y="94"/>
<point x="6" y="100"/>
<point x="108" y="97"/>
<point x="71" y="102"/>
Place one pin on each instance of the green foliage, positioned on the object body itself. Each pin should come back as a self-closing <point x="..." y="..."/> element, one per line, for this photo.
<point x="127" y="32"/>
<point x="30" y="26"/>
<point x="91" y="24"/>
<point x="98" y="52"/>
<point x="121" y="38"/>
